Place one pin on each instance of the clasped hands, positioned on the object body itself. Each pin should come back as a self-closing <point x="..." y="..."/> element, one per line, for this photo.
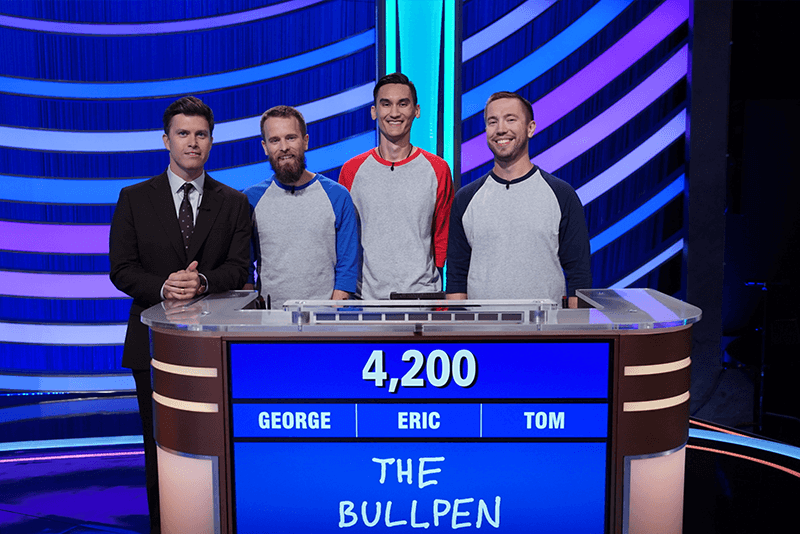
<point x="183" y="284"/>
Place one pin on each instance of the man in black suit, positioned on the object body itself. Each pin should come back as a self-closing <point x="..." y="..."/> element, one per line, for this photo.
<point x="173" y="241"/>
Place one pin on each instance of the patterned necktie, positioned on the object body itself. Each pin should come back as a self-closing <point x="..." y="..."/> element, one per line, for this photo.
<point x="186" y="216"/>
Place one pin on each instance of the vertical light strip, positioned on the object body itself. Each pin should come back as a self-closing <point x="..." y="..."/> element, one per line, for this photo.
<point x="449" y="83"/>
<point x="423" y="38"/>
<point x="420" y="37"/>
<point x="390" y="36"/>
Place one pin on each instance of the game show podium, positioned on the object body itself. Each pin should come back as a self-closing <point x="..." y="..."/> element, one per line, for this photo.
<point x="373" y="416"/>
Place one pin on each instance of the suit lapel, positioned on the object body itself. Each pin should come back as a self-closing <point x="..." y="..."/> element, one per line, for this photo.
<point x="206" y="215"/>
<point x="164" y="206"/>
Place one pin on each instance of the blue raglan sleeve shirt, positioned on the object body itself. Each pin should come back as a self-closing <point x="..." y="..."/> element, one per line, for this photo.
<point x="347" y="249"/>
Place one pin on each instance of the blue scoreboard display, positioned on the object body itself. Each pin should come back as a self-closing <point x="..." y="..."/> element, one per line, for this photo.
<point x="375" y="436"/>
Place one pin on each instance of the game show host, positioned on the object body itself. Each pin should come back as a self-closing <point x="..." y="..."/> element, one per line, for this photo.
<point x="175" y="236"/>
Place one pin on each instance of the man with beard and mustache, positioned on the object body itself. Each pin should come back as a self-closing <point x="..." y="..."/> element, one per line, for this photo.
<point x="517" y="231"/>
<point x="305" y="228"/>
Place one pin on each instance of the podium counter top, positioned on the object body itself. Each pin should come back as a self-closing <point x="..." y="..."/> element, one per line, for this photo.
<point x="599" y="309"/>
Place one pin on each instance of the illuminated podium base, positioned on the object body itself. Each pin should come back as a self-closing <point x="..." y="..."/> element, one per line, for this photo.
<point x="444" y="415"/>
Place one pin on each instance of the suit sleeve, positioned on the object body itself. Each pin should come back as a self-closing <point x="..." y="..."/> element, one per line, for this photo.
<point x="255" y="253"/>
<point x="253" y="194"/>
<point x="127" y="272"/>
<point x="232" y="272"/>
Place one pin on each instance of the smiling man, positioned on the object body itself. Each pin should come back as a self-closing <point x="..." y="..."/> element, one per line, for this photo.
<point x="517" y="232"/>
<point x="175" y="236"/>
<point x="403" y="196"/>
<point x="305" y="229"/>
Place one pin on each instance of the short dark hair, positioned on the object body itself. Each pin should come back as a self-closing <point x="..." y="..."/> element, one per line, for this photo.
<point x="283" y="112"/>
<point x="189" y="106"/>
<point x="395" y="77"/>
<point x="507" y="94"/>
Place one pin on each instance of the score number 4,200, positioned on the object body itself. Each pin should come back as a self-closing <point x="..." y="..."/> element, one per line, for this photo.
<point x="438" y="369"/>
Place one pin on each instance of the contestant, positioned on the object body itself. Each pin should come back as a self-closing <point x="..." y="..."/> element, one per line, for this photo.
<point x="175" y="236"/>
<point x="516" y="231"/>
<point x="403" y="196"/>
<point x="305" y="228"/>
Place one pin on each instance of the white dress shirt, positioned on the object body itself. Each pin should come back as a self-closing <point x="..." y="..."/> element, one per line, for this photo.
<point x="195" y="193"/>
<point x="195" y="197"/>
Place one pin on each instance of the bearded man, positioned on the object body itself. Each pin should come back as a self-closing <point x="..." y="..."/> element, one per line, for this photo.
<point x="305" y="228"/>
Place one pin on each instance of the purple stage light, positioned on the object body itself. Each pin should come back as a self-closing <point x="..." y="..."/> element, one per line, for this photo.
<point x="632" y="161"/>
<point x="615" y="116"/>
<point x="54" y="238"/>
<point x="593" y="77"/>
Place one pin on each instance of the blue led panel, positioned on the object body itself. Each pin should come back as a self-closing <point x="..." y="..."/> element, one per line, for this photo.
<point x="378" y="435"/>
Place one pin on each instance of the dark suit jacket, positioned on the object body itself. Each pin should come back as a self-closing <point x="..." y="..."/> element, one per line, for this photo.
<point x="145" y="246"/>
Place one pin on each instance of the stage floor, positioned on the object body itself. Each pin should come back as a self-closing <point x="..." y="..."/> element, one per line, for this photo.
<point x="735" y="483"/>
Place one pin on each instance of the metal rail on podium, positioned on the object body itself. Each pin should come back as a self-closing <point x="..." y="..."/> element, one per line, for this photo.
<point x="337" y="416"/>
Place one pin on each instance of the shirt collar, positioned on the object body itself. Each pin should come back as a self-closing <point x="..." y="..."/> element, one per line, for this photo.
<point x="176" y="182"/>
<point x="293" y="188"/>
<point x="516" y="180"/>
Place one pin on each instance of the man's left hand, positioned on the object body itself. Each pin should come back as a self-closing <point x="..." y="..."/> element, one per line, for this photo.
<point x="183" y="284"/>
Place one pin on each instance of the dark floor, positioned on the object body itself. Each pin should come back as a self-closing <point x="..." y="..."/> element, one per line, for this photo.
<point x="73" y="491"/>
<point x="733" y="488"/>
<point x="724" y="391"/>
<point x="723" y="395"/>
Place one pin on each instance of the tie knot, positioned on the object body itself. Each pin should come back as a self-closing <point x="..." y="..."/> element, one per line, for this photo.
<point x="187" y="188"/>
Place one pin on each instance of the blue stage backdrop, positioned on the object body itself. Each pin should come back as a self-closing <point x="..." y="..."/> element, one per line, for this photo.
<point x="83" y="85"/>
